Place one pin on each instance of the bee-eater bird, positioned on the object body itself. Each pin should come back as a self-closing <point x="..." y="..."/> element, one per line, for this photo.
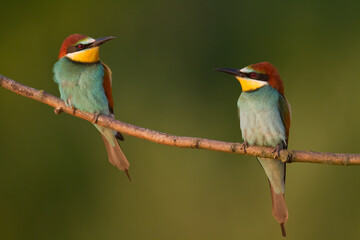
<point x="85" y="84"/>
<point x="265" y="121"/>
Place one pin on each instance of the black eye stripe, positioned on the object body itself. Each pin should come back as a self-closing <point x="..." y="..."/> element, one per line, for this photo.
<point x="258" y="76"/>
<point x="72" y="49"/>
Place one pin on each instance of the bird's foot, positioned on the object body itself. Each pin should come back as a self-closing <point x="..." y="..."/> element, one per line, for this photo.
<point x="244" y="146"/>
<point x="277" y="151"/>
<point x="68" y="103"/>
<point x="73" y="109"/>
<point x="58" y="110"/>
<point x="95" y="118"/>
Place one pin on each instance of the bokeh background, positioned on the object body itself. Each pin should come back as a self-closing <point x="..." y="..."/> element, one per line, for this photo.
<point x="55" y="179"/>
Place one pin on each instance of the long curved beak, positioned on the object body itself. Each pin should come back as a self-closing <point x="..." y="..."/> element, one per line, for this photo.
<point x="231" y="71"/>
<point x="100" y="41"/>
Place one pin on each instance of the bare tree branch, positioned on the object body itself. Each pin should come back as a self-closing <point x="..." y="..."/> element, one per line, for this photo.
<point x="178" y="141"/>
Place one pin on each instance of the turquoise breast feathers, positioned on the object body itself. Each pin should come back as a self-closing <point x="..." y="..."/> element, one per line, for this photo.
<point x="260" y="120"/>
<point x="81" y="85"/>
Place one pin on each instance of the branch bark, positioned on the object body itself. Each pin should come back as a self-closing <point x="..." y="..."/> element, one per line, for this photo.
<point x="179" y="141"/>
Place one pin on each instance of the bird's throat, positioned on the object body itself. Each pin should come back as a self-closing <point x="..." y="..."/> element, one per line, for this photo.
<point x="90" y="55"/>
<point x="250" y="84"/>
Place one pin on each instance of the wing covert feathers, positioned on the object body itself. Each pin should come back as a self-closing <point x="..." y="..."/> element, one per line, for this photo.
<point x="107" y="87"/>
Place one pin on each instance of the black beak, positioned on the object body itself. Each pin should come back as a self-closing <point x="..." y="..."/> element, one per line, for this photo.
<point x="100" y="41"/>
<point x="231" y="71"/>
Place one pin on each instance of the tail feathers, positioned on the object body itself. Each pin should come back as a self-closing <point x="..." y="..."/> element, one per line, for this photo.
<point x="116" y="156"/>
<point x="283" y="230"/>
<point x="279" y="209"/>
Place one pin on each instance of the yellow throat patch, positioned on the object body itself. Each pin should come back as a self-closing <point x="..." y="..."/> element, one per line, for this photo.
<point x="250" y="84"/>
<point x="90" y="55"/>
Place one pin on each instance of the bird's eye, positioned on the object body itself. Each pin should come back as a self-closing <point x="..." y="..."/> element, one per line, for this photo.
<point x="253" y="75"/>
<point x="80" y="46"/>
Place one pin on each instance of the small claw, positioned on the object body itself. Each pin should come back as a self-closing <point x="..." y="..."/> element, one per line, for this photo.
<point x="277" y="151"/>
<point x="74" y="109"/>
<point x="68" y="103"/>
<point x="58" y="110"/>
<point x="244" y="145"/>
<point x="127" y="173"/>
<point x="95" y="118"/>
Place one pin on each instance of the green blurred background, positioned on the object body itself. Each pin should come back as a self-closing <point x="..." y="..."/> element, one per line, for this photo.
<point x="55" y="179"/>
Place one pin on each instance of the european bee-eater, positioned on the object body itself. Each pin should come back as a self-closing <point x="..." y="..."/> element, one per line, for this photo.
<point x="265" y="121"/>
<point x="85" y="84"/>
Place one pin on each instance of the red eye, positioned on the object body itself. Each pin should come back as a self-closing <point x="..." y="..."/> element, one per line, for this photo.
<point x="80" y="46"/>
<point x="252" y="75"/>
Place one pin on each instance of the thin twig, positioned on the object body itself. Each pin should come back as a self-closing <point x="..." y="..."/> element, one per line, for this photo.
<point x="178" y="141"/>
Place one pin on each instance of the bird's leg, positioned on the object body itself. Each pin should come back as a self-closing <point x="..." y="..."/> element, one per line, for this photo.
<point x="277" y="150"/>
<point x="68" y="104"/>
<point x="244" y="146"/>
<point x="95" y="118"/>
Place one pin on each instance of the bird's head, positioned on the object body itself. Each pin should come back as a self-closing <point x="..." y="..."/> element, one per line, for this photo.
<point x="81" y="48"/>
<point x="256" y="76"/>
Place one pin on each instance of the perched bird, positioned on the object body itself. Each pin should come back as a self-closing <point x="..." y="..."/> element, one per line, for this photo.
<point x="265" y="121"/>
<point x="85" y="84"/>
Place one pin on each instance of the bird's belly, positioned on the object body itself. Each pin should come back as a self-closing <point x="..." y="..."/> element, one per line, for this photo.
<point x="263" y="128"/>
<point x="85" y="99"/>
